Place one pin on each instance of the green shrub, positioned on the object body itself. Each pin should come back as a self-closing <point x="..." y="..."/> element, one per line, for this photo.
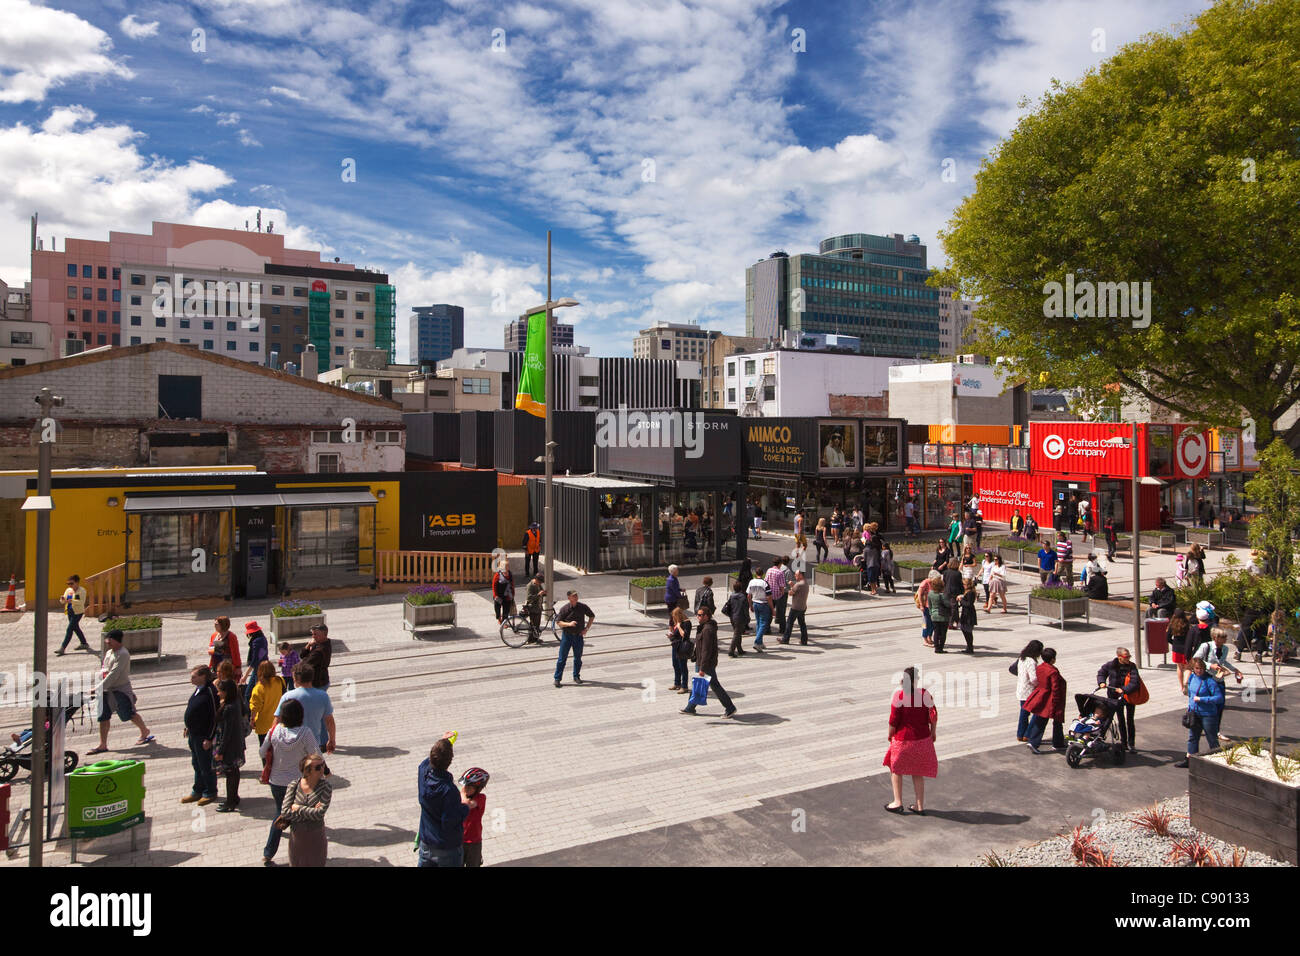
<point x="649" y="582"/>
<point x="1254" y="745"/>
<point x="1057" y="594"/>
<point x="1019" y="544"/>
<point x="295" y="609"/>
<point x="137" y="622"/>
<point x="836" y="567"/>
<point x="915" y="565"/>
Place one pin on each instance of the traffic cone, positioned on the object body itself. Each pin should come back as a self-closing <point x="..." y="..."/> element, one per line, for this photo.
<point x="11" y="602"/>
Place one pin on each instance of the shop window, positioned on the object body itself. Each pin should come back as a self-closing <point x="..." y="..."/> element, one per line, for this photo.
<point x="328" y="463"/>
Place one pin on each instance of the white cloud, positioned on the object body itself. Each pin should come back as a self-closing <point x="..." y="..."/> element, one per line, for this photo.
<point x="247" y="139"/>
<point x="137" y="30"/>
<point x="202" y="108"/>
<point x="85" y="179"/>
<point x="227" y="119"/>
<point x="287" y="93"/>
<point x="42" y="48"/>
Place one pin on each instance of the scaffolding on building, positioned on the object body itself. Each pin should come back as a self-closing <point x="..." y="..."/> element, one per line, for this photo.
<point x="318" y="328"/>
<point x="386" y="320"/>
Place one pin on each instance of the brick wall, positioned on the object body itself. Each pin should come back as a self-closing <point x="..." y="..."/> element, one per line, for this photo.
<point x="859" y="406"/>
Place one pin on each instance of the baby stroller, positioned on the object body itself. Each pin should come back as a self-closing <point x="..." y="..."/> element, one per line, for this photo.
<point x="18" y="755"/>
<point x="1104" y="738"/>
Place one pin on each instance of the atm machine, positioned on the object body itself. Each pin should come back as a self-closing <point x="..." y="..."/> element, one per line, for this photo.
<point x="257" y="566"/>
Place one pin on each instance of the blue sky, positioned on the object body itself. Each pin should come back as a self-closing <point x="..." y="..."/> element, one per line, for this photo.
<point x="667" y="144"/>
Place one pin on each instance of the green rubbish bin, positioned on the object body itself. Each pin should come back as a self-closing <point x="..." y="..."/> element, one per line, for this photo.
<point x="105" y="797"/>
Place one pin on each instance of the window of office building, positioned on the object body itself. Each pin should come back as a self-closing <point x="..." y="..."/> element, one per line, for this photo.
<point x="300" y="291"/>
<point x="101" y="294"/>
<point x="277" y="290"/>
<point x="135" y="340"/>
<point x="86" y="272"/>
<point x="341" y="295"/>
<point x="338" y="333"/>
<point x="360" y="316"/>
<point x="72" y="270"/>
<point x="362" y="296"/>
<point x="338" y="350"/>
<point x="731" y="395"/>
<point x="102" y="272"/>
<point x="476" y="386"/>
<point x="338" y="313"/>
<point x="361" y="333"/>
<point x="135" y="320"/>
<point x="749" y="366"/>
<point x="137" y="279"/>
<point x="207" y="344"/>
<point x="253" y="347"/>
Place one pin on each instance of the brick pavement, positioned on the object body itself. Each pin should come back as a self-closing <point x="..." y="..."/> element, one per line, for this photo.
<point x="579" y="764"/>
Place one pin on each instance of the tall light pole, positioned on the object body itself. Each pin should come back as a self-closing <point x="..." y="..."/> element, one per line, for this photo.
<point x="548" y="510"/>
<point x="1137" y="555"/>
<point x="42" y="504"/>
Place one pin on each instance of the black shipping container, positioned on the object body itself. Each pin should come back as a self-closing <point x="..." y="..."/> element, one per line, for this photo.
<point x="713" y="455"/>
<point x="520" y="439"/>
<point x="434" y="436"/>
<point x="476" y="439"/>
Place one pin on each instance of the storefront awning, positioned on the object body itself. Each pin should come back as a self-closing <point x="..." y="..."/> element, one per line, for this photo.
<point x="317" y="499"/>
<point x="178" y="503"/>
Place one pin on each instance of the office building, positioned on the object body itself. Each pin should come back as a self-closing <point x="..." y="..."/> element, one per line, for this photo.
<point x="517" y="334"/>
<point x="794" y="382"/>
<point x="22" y="341"/>
<point x="955" y="317"/>
<point x="866" y="286"/>
<point x="236" y="293"/>
<point x="671" y="340"/>
<point x="436" y="332"/>
<point x="713" y="370"/>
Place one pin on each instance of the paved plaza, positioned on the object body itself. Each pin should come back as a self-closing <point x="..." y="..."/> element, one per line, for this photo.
<point x="610" y="772"/>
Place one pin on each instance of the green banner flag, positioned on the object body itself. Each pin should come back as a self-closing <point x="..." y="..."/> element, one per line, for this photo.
<point x="531" y="395"/>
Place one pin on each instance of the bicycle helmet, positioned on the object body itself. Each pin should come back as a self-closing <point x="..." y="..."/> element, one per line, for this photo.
<point x="474" y="775"/>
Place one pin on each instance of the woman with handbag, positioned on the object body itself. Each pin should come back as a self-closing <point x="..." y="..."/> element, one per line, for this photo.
<point x="1121" y="679"/>
<point x="1204" y="703"/>
<point x="228" y="741"/>
<point x="1026" y="671"/>
<point x="282" y="752"/>
<point x="912" y="722"/>
<point x="679" y="635"/>
<point x="303" y="813"/>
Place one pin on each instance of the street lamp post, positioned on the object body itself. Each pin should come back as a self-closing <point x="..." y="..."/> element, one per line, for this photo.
<point x="1137" y="555"/>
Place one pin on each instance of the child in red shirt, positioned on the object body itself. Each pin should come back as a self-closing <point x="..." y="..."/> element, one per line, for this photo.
<point x="472" y="783"/>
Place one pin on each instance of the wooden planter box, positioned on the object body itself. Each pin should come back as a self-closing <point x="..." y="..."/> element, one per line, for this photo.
<point x="643" y="599"/>
<point x="1205" y="537"/>
<point x="850" y="580"/>
<point x="1058" y="611"/>
<point x="1165" y="539"/>
<point x="147" y="641"/>
<point x="416" y="616"/>
<point x="913" y="576"/>
<point x="289" y="628"/>
<point x="1245" y="810"/>
<point x="1015" y="557"/>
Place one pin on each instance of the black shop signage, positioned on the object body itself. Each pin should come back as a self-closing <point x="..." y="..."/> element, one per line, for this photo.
<point x="786" y="445"/>
<point x="448" y="511"/>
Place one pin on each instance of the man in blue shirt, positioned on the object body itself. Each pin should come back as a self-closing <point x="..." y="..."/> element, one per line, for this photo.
<point x="317" y="711"/>
<point x="1046" y="561"/>
<point x="443" y="809"/>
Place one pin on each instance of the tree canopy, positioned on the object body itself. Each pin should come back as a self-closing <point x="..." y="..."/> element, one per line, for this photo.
<point x="1176" y="162"/>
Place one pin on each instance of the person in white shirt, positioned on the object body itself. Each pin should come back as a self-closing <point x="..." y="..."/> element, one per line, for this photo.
<point x="74" y="603"/>
<point x="1026" y="681"/>
<point x="115" y="693"/>
<point x="1218" y="663"/>
<point x="760" y="596"/>
<point x="833" y="453"/>
<point x="986" y="573"/>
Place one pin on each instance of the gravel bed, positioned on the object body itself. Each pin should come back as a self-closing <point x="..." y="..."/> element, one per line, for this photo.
<point x="1132" y="845"/>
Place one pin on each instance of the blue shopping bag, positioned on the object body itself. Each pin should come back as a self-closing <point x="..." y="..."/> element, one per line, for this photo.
<point x="699" y="692"/>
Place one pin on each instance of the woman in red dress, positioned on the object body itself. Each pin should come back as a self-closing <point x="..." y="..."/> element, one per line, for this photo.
<point x="912" y="721"/>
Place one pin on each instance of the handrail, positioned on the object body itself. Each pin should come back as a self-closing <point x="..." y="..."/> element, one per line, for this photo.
<point x="453" y="568"/>
<point x="105" y="590"/>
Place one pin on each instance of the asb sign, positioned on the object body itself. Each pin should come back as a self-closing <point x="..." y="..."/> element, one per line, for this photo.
<point x="1191" y="453"/>
<point x="1090" y="448"/>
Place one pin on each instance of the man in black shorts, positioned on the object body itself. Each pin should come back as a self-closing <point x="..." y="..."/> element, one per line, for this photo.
<point x="574" y="619"/>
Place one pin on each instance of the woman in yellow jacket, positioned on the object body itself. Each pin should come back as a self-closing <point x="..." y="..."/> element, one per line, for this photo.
<point x="265" y="699"/>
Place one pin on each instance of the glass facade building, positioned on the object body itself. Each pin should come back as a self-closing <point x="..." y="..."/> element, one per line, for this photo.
<point x="867" y="286"/>
<point x="436" y="332"/>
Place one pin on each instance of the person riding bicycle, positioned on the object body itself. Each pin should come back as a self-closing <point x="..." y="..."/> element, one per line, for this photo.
<point x="533" y="606"/>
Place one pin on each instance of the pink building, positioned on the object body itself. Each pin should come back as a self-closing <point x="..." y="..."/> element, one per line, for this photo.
<point x="101" y="293"/>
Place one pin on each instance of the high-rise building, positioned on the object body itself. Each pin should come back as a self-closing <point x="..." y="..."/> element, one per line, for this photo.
<point x="954" y="321"/>
<point x="517" y="334"/>
<point x="671" y="340"/>
<point x="866" y="286"/>
<point x="436" y="332"/>
<point x="237" y="293"/>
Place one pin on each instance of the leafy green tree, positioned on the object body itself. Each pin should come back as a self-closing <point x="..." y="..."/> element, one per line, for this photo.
<point x="1176" y="162"/>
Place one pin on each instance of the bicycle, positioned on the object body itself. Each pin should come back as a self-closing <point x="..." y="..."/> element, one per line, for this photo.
<point x="517" y="629"/>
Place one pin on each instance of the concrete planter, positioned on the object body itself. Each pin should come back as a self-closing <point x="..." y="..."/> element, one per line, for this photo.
<point x="1015" y="557"/>
<point x="1059" y="611"/>
<point x="1244" y="809"/>
<point x="146" y="641"/>
<point x="1123" y="542"/>
<point x="1205" y="537"/>
<point x="289" y="628"/>
<point x="850" y="580"/>
<point x="416" y="616"/>
<point x="1160" y="541"/>
<point x="646" y="599"/>
<point x="913" y="576"/>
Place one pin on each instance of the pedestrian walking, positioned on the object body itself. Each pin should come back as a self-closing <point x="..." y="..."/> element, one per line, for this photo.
<point x="1017" y="524"/>
<point x="223" y="646"/>
<point x="798" y="522"/>
<point x="259" y="652"/>
<point x="760" y="596"/>
<point x="955" y="531"/>
<point x="289" y="659"/>
<point x="1177" y="636"/>
<point x="942" y="555"/>
<point x="282" y="752"/>
<point x="115" y="693"/>
<point x="1204" y="710"/>
<point x="736" y="610"/>
<point x="443" y="810"/>
<point x="997" y="585"/>
<point x="986" y="574"/>
<point x="887" y="567"/>
<point x="966" y="618"/>
<point x="922" y="598"/>
<point x="1047" y="702"/>
<point x="706" y="663"/>
<point x="1026" y="670"/>
<point x="837" y="525"/>
<point x="909" y="517"/>
<point x="532" y="546"/>
<point x="1112" y="539"/>
<point x="758" y="522"/>
<point x="968" y="531"/>
<point x="200" y="726"/>
<point x="1122" y="682"/>
<point x="1031" y="529"/>
<point x="941" y="611"/>
<point x="913" y="720"/>
<point x="967" y="564"/>
<point x="503" y="592"/>
<point x="819" y="541"/>
<point x="1065" y="557"/>
<point x="317" y="654"/>
<point x="797" y="610"/>
<point x="318" y="710"/>
<point x="574" y="619"/>
<point x="679" y="636"/>
<point x="264" y="700"/>
<point x="303" y="813"/>
<point x="672" y="589"/>
<point x="1218" y="663"/>
<point x="704" y="595"/>
<point x="472" y="784"/>
<point x="74" y="605"/>
<point x="228" y="742"/>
